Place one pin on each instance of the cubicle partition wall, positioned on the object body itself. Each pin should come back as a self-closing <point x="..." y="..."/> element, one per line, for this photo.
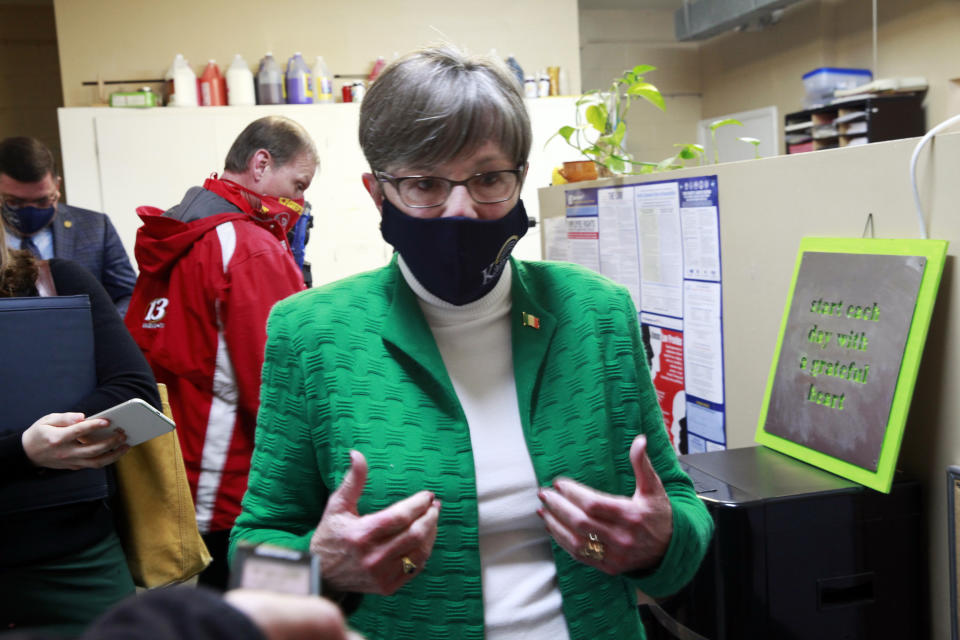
<point x="766" y="206"/>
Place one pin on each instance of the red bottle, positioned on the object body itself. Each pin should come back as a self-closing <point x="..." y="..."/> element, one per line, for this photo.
<point x="213" y="86"/>
<point x="347" y="92"/>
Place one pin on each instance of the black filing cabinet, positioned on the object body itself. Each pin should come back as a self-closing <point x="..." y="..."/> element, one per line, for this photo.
<point x="801" y="553"/>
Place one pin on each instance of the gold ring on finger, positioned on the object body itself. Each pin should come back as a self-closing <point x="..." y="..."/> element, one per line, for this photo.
<point x="593" y="549"/>
<point x="408" y="565"/>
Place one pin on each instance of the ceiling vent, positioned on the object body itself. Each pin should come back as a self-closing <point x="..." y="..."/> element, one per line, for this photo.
<point x="702" y="19"/>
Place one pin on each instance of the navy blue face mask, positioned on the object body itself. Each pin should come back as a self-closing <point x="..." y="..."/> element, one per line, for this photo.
<point x="456" y="259"/>
<point x="28" y="220"/>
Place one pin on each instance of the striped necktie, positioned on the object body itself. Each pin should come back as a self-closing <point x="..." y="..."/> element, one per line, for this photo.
<point x="27" y="245"/>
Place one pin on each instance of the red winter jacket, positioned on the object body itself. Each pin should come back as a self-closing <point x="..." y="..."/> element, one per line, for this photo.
<point x="210" y="271"/>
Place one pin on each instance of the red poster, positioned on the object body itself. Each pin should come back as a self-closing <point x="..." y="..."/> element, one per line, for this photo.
<point x="666" y="369"/>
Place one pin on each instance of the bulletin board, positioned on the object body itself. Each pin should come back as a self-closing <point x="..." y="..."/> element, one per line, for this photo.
<point x="661" y="240"/>
<point x="848" y="352"/>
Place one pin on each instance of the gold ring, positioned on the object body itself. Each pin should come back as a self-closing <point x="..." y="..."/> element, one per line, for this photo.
<point x="408" y="565"/>
<point x="593" y="549"/>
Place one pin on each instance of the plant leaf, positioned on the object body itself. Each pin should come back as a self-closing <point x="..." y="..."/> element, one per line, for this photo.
<point x="597" y="116"/>
<point x="641" y="69"/>
<point x="666" y="163"/>
<point x="589" y="97"/>
<point x="690" y="151"/>
<point x="716" y="124"/>
<point x="649" y="93"/>
<point x="566" y="132"/>
<point x="592" y="151"/>
<point x="617" y="136"/>
<point x="639" y="87"/>
<point x="615" y="164"/>
<point x="754" y="141"/>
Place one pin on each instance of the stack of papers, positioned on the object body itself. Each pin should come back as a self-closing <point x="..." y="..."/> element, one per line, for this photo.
<point x="884" y="85"/>
<point x="850" y="117"/>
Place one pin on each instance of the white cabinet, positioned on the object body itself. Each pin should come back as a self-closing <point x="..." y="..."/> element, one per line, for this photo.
<point x="116" y="160"/>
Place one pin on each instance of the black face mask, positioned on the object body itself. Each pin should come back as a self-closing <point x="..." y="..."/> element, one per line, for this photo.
<point x="29" y="220"/>
<point x="459" y="260"/>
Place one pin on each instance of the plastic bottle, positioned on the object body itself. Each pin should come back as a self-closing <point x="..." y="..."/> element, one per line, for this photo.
<point x="240" y="83"/>
<point x="168" y="86"/>
<point x="543" y="85"/>
<point x="357" y="91"/>
<point x="181" y="84"/>
<point x="377" y="68"/>
<point x="269" y="81"/>
<point x="213" y="86"/>
<point x="529" y="87"/>
<point x="322" y="82"/>
<point x="516" y="68"/>
<point x="299" y="83"/>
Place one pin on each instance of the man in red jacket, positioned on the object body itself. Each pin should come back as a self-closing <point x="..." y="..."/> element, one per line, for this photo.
<point x="211" y="268"/>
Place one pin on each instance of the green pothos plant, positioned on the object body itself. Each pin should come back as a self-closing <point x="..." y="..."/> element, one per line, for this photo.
<point x="696" y="151"/>
<point x="600" y="129"/>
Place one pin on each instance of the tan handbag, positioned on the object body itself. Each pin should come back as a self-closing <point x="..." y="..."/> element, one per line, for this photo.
<point x="156" y="523"/>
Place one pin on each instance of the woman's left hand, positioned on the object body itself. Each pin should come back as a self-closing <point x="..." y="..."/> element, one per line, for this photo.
<point x="612" y="533"/>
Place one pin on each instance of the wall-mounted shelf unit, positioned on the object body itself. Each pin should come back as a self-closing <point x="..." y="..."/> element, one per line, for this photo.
<point x="854" y="122"/>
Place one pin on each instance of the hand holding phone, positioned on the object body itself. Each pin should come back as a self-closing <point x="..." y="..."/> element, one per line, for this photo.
<point x="63" y="441"/>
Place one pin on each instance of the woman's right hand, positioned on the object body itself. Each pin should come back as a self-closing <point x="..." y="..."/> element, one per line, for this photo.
<point x="366" y="553"/>
<point x="61" y="441"/>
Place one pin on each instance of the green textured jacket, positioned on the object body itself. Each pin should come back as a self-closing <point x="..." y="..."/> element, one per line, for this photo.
<point x="354" y="365"/>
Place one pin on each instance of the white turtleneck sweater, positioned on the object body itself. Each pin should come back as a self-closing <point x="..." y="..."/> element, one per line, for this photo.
<point x="520" y="595"/>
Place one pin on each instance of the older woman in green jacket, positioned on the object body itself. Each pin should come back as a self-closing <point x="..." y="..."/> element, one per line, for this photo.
<point x="471" y="441"/>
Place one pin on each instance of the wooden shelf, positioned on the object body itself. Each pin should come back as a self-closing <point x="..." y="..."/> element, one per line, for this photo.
<point x="854" y="122"/>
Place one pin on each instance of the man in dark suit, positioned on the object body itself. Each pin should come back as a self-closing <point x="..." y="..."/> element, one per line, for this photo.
<point x="36" y="220"/>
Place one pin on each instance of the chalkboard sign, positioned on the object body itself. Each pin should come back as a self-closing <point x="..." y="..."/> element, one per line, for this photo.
<point x="848" y="353"/>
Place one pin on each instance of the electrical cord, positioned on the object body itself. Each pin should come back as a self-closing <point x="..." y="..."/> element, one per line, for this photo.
<point x="913" y="168"/>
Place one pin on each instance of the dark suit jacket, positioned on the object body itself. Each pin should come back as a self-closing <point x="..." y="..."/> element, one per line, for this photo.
<point x="88" y="237"/>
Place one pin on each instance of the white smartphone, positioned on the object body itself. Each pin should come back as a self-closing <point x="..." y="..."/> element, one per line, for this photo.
<point x="276" y="569"/>
<point x="139" y="420"/>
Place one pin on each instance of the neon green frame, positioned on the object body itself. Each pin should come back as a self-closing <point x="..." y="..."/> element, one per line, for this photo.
<point x="935" y="252"/>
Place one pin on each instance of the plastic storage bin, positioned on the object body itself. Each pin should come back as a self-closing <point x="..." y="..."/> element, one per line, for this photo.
<point x="821" y="83"/>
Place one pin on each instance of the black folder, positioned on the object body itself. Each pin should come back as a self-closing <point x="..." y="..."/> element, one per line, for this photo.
<point x="48" y="366"/>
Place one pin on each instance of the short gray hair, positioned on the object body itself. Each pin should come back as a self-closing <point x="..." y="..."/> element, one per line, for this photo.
<point x="284" y="138"/>
<point x="434" y="104"/>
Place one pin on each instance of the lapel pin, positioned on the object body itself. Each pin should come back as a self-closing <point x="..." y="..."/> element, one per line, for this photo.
<point x="530" y="320"/>
<point x="67" y="223"/>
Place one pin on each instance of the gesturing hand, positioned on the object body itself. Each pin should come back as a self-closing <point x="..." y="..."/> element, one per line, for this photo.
<point x="612" y="533"/>
<point x="367" y="553"/>
<point x="57" y="441"/>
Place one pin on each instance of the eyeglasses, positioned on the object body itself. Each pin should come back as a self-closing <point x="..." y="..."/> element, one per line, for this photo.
<point x="422" y="192"/>
<point x="41" y="203"/>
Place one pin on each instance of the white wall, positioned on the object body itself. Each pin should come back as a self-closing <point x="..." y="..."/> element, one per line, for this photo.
<point x="116" y="160"/>
<point x="614" y="40"/>
<point x="133" y="39"/>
